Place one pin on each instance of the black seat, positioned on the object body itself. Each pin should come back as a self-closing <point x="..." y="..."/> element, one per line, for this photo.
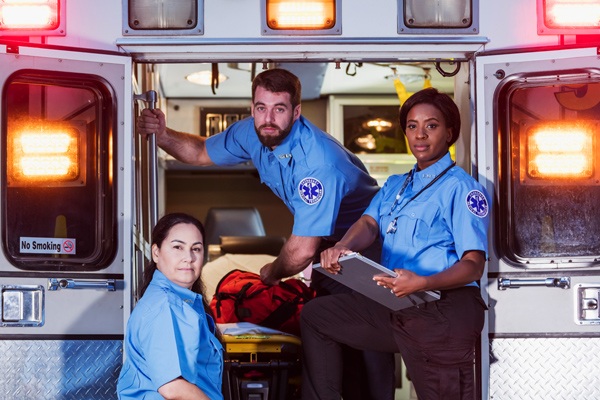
<point x="232" y="221"/>
<point x="252" y="244"/>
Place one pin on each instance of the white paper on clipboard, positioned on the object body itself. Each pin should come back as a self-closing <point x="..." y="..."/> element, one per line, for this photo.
<point x="357" y="274"/>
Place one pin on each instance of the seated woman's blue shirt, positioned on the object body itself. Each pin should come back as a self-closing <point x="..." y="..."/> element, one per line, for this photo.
<point x="168" y="336"/>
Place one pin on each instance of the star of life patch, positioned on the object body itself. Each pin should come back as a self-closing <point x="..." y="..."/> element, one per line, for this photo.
<point x="477" y="203"/>
<point x="310" y="190"/>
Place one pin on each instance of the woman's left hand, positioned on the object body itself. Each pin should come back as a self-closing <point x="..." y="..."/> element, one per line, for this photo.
<point x="405" y="283"/>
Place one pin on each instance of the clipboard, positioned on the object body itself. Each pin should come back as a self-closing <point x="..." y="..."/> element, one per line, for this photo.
<point x="357" y="273"/>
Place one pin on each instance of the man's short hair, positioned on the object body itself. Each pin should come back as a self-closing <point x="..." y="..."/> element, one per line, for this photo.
<point x="279" y="80"/>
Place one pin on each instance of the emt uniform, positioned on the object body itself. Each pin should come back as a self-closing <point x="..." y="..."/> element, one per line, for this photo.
<point x="325" y="186"/>
<point x="431" y="232"/>
<point x="169" y="335"/>
<point x="427" y="219"/>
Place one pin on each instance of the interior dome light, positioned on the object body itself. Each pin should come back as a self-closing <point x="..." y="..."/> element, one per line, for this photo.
<point x="204" y="78"/>
<point x="379" y="124"/>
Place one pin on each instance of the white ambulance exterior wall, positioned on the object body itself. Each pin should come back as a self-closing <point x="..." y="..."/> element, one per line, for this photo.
<point x="98" y="24"/>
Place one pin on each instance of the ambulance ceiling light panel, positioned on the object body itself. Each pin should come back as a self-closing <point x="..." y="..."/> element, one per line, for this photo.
<point x="438" y="17"/>
<point x="163" y="17"/>
<point x="568" y="17"/>
<point x="32" y="18"/>
<point x="301" y="17"/>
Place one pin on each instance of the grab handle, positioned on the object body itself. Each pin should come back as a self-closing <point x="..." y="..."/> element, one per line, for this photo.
<point x="64" y="283"/>
<point x="149" y="98"/>
<point x="561" y="282"/>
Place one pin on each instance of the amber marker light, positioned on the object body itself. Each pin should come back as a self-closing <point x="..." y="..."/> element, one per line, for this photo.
<point x="561" y="151"/>
<point x="300" y="14"/>
<point x="45" y="155"/>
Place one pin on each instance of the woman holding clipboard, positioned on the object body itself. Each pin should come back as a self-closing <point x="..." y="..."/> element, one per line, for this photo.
<point x="433" y="222"/>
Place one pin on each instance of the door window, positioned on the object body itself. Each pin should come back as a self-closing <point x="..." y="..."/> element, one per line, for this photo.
<point x="58" y="193"/>
<point x="550" y="169"/>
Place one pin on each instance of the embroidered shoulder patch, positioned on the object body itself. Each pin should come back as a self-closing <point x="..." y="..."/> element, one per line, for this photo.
<point x="477" y="203"/>
<point x="310" y="190"/>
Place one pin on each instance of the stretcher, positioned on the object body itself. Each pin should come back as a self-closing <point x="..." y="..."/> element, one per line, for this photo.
<point x="259" y="363"/>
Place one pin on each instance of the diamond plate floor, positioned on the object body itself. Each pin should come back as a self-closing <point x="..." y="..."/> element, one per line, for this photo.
<point x="545" y="369"/>
<point x="59" y="369"/>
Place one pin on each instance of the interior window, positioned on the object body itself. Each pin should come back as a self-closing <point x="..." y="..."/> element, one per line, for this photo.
<point x="373" y="130"/>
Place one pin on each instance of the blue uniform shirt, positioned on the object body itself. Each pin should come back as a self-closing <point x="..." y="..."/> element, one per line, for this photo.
<point x="169" y="335"/>
<point x="325" y="186"/>
<point x="431" y="232"/>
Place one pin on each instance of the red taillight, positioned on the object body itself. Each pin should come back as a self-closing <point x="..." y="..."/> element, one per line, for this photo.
<point x="20" y="17"/>
<point x="568" y="17"/>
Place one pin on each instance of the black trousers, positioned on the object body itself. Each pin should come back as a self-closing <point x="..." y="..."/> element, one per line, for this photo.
<point x="366" y="375"/>
<point x="436" y="341"/>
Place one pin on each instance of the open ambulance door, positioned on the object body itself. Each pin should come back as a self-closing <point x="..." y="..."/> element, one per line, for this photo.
<point x="538" y="153"/>
<point x="65" y="220"/>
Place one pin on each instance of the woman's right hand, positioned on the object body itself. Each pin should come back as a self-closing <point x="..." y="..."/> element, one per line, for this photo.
<point x="330" y="256"/>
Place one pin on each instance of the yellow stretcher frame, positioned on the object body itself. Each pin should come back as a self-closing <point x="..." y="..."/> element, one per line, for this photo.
<point x="253" y="344"/>
<point x="277" y="355"/>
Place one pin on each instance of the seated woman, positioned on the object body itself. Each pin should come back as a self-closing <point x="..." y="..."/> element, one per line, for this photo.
<point x="172" y="347"/>
<point x="433" y="222"/>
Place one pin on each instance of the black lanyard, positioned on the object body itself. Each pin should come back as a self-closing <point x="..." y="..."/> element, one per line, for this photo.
<point x="392" y="226"/>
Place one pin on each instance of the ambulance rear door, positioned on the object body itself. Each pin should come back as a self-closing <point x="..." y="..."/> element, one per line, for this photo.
<point x="538" y="153"/>
<point x="65" y="220"/>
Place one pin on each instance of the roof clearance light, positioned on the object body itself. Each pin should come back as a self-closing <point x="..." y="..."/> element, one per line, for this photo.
<point x="568" y="17"/>
<point x="301" y="14"/>
<point x="45" y="155"/>
<point x="29" y="14"/>
<point x="166" y="17"/>
<point x="560" y="151"/>
<point x="434" y="16"/>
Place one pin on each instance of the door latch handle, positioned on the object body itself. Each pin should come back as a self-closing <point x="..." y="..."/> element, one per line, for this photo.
<point x="560" y="282"/>
<point x="63" y="283"/>
<point x="587" y="301"/>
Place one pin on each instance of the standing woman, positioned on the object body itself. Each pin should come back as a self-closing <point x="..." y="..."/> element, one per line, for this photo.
<point x="433" y="222"/>
<point x="172" y="347"/>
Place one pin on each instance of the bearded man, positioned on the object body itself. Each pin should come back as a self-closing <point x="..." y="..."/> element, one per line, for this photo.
<point x="325" y="187"/>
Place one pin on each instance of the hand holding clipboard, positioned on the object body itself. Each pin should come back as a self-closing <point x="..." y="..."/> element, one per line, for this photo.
<point x="357" y="273"/>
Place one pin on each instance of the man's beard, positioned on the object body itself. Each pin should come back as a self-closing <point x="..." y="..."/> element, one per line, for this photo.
<point x="273" y="141"/>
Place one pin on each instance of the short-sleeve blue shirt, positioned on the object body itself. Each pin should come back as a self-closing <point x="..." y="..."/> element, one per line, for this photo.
<point x="169" y="335"/>
<point x="325" y="186"/>
<point x="433" y="231"/>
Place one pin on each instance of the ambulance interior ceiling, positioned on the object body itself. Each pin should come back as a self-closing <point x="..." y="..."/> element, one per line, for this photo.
<point x="318" y="79"/>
